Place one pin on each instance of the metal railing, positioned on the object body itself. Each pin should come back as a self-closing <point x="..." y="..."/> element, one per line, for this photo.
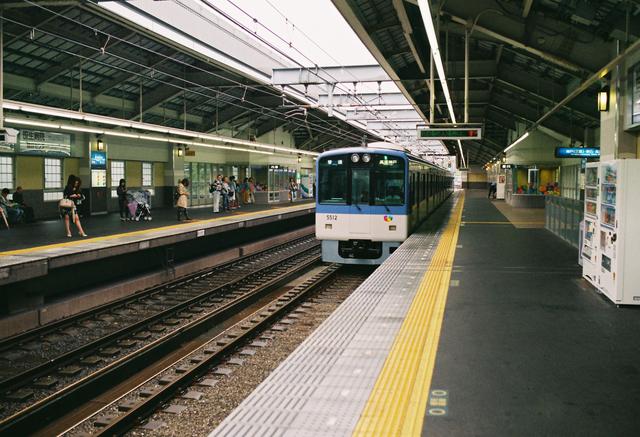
<point x="563" y="217"/>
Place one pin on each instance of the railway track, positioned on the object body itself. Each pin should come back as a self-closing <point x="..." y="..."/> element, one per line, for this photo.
<point x="141" y="329"/>
<point x="141" y="401"/>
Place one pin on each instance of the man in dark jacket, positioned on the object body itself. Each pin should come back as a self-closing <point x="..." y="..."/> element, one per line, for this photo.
<point x="18" y="197"/>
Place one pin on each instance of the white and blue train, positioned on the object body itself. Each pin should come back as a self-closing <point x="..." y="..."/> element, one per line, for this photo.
<point x="370" y="199"/>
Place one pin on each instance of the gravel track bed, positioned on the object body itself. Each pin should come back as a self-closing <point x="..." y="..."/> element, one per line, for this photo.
<point x="201" y="416"/>
<point x="118" y="318"/>
<point x="37" y="351"/>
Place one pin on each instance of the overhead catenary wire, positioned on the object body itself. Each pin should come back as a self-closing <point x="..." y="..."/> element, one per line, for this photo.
<point x="279" y="37"/>
<point x="143" y="68"/>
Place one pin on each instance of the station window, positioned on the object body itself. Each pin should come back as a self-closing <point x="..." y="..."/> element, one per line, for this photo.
<point x="117" y="173"/>
<point x="147" y="174"/>
<point x="6" y="172"/>
<point x="635" y="91"/>
<point x="52" y="179"/>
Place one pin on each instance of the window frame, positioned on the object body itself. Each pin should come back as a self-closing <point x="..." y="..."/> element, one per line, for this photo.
<point x="12" y="167"/>
<point x="150" y="185"/>
<point x="115" y="181"/>
<point x="49" y="193"/>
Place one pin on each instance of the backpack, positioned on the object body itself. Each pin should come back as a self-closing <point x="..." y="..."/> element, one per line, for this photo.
<point x="176" y="194"/>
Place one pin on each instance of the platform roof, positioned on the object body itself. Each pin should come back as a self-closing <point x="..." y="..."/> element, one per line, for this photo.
<point x="525" y="56"/>
<point x="131" y="73"/>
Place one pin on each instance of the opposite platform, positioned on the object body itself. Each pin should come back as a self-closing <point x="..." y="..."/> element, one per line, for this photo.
<point x="382" y="338"/>
<point x="39" y="260"/>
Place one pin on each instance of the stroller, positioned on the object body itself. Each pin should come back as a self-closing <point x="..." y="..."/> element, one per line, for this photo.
<point x="140" y="205"/>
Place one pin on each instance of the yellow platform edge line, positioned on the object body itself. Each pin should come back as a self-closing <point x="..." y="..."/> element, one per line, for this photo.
<point x="399" y="398"/>
<point x="151" y="231"/>
<point x="541" y="222"/>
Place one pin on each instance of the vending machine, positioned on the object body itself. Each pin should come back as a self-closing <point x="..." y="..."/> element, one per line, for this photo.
<point x="589" y="247"/>
<point x="611" y="246"/>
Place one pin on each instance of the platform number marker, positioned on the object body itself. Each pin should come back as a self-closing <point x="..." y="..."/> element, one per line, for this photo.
<point x="438" y="403"/>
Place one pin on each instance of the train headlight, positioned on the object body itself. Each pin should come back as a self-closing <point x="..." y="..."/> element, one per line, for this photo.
<point x="366" y="158"/>
<point x="355" y="158"/>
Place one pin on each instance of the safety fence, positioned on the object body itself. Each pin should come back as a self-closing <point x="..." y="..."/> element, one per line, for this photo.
<point x="563" y="217"/>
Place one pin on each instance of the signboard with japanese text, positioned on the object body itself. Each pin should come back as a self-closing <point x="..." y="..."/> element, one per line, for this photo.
<point x="44" y="143"/>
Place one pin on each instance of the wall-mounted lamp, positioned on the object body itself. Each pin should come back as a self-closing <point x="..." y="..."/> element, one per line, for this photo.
<point x="299" y="159"/>
<point x="603" y="99"/>
<point x="100" y="145"/>
<point x="180" y="151"/>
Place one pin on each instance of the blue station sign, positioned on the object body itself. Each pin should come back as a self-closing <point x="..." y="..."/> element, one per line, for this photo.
<point x="577" y="152"/>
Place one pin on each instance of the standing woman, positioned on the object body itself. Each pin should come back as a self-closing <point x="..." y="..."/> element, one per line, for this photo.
<point x="125" y="214"/>
<point x="72" y="192"/>
<point x="225" y="194"/>
<point x="293" y="190"/>
<point x="181" y="203"/>
<point x="252" y="191"/>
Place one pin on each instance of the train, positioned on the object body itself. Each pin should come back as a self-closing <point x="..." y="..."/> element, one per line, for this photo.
<point x="370" y="199"/>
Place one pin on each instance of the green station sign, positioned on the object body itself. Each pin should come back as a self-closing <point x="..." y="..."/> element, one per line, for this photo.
<point x="458" y="132"/>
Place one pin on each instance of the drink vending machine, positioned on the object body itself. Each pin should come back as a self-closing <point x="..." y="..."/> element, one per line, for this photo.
<point x="611" y="244"/>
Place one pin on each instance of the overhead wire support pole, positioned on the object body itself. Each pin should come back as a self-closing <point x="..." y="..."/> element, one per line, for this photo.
<point x="80" y="87"/>
<point x="432" y="94"/>
<point x="1" y="70"/>
<point x="466" y="75"/>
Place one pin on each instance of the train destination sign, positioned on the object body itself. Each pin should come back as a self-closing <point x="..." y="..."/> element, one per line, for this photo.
<point x="577" y="152"/>
<point x="458" y="132"/>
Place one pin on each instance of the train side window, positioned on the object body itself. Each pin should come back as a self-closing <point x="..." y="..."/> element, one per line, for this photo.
<point x="388" y="183"/>
<point x="332" y="180"/>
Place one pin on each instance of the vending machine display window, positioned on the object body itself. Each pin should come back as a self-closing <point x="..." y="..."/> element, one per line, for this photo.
<point x="591" y="176"/>
<point x="591" y="194"/>
<point x="608" y="216"/>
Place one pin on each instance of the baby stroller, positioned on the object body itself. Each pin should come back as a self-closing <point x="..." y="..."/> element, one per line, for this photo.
<point x="140" y="205"/>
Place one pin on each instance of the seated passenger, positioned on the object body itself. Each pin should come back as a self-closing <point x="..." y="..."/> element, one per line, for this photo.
<point x="12" y="210"/>
<point x="18" y="198"/>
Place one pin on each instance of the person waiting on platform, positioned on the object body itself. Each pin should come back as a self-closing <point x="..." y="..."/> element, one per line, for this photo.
<point x="73" y="193"/>
<point x="252" y="191"/>
<point x="493" y="189"/>
<point x="232" y="193"/>
<point x="293" y="190"/>
<point x="125" y="214"/>
<point x="181" y="202"/>
<point x="18" y="197"/>
<point x="215" y="188"/>
<point x="225" y="194"/>
<point x="12" y="210"/>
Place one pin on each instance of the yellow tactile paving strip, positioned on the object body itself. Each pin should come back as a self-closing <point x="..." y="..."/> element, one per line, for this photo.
<point x="151" y="233"/>
<point x="397" y="404"/>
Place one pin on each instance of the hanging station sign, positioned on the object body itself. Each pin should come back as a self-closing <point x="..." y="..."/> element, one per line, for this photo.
<point x="44" y="143"/>
<point x="451" y="132"/>
<point x="577" y="152"/>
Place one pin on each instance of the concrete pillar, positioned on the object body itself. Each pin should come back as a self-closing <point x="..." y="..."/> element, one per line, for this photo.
<point x="615" y="142"/>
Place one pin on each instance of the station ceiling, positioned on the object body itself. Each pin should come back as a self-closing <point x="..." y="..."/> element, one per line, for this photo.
<point x="52" y="49"/>
<point x="525" y="56"/>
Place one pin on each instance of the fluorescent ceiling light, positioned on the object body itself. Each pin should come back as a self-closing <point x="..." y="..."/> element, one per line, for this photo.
<point x="31" y="123"/>
<point x="121" y="134"/>
<point x="63" y="113"/>
<point x="425" y="11"/>
<point x="526" y="134"/>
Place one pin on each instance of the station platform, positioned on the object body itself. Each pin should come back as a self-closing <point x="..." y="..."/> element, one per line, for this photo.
<point x="33" y="250"/>
<point x="475" y="326"/>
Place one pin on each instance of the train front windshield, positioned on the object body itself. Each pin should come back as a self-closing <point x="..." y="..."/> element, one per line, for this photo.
<point x="381" y="181"/>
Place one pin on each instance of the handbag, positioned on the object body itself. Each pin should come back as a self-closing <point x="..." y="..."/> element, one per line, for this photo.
<point x="66" y="203"/>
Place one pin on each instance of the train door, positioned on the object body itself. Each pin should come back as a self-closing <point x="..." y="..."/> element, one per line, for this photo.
<point x="359" y="218"/>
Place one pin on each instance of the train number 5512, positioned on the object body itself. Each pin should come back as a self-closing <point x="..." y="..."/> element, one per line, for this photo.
<point x="332" y="217"/>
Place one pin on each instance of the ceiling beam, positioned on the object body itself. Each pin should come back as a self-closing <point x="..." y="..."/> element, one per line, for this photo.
<point x="546" y="56"/>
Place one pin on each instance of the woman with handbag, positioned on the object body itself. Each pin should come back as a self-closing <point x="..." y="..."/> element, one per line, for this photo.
<point x="72" y="197"/>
